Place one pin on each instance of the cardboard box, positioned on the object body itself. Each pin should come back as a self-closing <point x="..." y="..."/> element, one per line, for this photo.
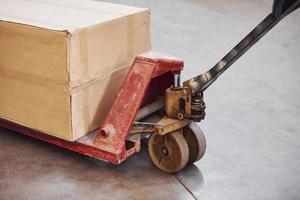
<point x="62" y="62"/>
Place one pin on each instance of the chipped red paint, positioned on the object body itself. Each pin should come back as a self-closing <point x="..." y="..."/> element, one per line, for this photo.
<point x="74" y="146"/>
<point x="149" y="76"/>
<point x="129" y="99"/>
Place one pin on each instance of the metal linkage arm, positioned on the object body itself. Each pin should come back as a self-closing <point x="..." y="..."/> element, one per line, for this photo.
<point x="281" y="8"/>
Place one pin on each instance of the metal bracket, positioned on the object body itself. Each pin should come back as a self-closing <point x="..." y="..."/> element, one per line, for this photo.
<point x="158" y="125"/>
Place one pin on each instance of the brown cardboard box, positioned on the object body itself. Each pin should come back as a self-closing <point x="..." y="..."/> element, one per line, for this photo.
<point x="62" y="62"/>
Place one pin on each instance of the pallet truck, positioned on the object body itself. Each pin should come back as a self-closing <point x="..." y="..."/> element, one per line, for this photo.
<point x="152" y="102"/>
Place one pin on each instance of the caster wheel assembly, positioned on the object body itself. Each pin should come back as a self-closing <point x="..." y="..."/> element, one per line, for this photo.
<point x="170" y="152"/>
<point x="173" y="151"/>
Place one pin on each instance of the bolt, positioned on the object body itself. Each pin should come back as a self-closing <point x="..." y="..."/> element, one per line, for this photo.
<point x="103" y="132"/>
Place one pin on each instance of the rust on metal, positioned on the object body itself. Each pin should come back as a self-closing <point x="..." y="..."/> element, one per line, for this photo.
<point x="120" y="118"/>
<point x="170" y="125"/>
<point x="145" y="127"/>
<point x="160" y="125"/>
<point x="147" y="79"/>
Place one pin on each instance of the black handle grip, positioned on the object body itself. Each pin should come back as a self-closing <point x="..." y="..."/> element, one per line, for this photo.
<point x="281" y="6"/>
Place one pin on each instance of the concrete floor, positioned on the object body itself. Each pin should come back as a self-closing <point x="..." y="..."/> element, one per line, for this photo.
<point x="252" y="124"/>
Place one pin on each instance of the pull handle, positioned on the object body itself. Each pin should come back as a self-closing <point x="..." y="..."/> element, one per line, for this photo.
<point x="281" y="8"/>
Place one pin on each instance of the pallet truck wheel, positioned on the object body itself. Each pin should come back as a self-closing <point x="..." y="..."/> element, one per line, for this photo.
<point x="196" y="142"/>
<point x="170" y="152"/>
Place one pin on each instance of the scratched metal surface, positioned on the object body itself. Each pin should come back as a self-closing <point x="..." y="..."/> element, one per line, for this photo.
<point x="252" y="125"/>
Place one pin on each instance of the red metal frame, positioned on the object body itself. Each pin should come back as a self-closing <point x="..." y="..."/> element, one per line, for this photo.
<point x="149" y="76"/>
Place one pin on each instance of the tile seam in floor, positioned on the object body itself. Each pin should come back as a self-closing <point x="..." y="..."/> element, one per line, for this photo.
<point x="180" y="182"/>
<point x="187" y="189"/>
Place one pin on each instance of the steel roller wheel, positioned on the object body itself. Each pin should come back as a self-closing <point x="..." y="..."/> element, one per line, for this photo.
<point x="196" y="142"/>
<point x="170" y="152"/>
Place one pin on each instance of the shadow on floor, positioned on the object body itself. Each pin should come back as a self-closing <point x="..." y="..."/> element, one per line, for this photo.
<point x="31" y="169"/>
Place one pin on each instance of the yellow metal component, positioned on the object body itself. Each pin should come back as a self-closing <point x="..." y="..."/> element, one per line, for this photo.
<point x="168" y="125"/>
<point x="178" y="102"/>
<point x="160" y="126"/>
<point x="144" y="127"/>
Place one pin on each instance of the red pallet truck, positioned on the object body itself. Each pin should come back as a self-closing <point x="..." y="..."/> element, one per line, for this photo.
<point x="153" y="102"/>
